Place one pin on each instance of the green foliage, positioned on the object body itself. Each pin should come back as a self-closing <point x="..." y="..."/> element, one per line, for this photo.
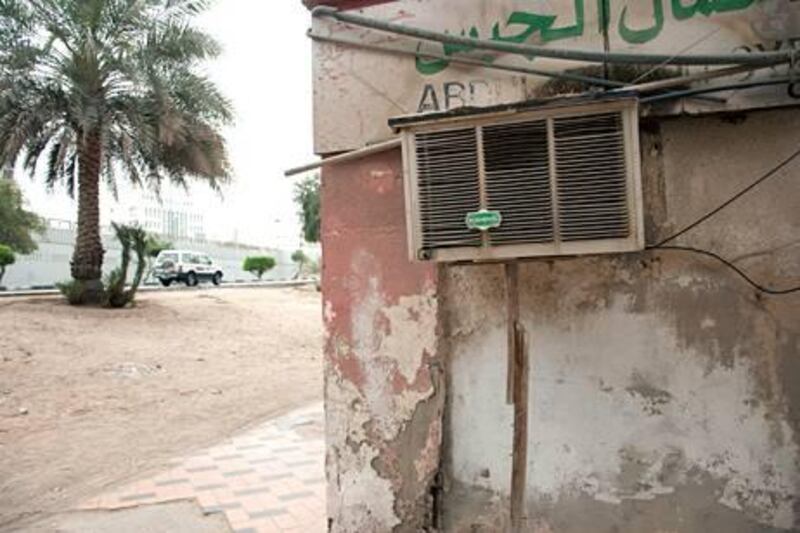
<point x="73" y="290"/>
<point x="155" y="246"/>
<point x="301" y="259"/>
<point x="132" y="239"/>
<point x="306" y="196"/>
<point x="129" y="71"/>
<point x="7" y="258"/>
<point x="16" y="224"/>
<point x="258" y="265"/>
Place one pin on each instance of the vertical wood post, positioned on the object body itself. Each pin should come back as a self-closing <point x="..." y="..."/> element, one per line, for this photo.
<point x="512" y="317"/>
<point x="519" y="461"/>
<point x="517" y="394"/>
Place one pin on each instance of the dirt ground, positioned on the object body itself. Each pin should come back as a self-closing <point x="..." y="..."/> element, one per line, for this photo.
<point x="90" y="398"/>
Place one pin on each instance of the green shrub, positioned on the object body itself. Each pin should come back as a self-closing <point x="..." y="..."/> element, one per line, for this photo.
<point x="131" y="238"/>
<point x="73" y="291"/>
<point x="258" y="265"/>
<point x="7" y="258"/>
<point x="301" y="259"/>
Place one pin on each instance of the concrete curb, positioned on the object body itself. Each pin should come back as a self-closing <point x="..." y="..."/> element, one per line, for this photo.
<point x="150" y="288"/>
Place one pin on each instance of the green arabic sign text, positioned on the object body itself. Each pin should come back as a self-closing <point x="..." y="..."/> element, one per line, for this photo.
<point x="520" y="26"/>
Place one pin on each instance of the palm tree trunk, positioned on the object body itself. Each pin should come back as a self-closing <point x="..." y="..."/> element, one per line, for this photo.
<point x="87" y="259"/>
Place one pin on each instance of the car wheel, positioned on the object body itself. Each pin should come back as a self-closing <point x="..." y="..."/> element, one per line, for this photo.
<point x="191" y="279"/>
<point x="217" y="278"/>
<point x="165" y="282"/>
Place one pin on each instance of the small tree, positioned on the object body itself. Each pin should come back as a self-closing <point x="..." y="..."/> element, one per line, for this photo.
<point x="301" y="259"/>
<point x="131" y="238"/>
<point x="155" y="246"/>
<point x="16" y="224"/>
<point x="258" y="265"/>
<point x="7" y="258"/>
<point x="306" y="196"/>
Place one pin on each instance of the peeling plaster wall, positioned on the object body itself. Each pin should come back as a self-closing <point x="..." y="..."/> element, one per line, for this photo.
<point x="383" y="396"/>
<point x="665" y="392"/>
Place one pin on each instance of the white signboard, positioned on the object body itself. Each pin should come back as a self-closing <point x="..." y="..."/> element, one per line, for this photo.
<point x="358" y="88"/>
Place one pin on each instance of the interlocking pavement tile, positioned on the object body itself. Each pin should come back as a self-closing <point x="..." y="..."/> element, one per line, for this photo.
<point x="285" y="521"/>
<point x="265" y="525"/>
<point x="238" y="473"/>
<point x="269" y="513"/>
<point x="262" y="460"/>
<point x="276" y="477"/>
<point x="169" y="482"/>
<point x="222" y="507"/>
<point x="267" y="480"/>
<point x="202" y="468"/>
<point x="209" y="487"/>
<point x="175" y="492"/>
<point x="295" y="496"/>
<point x="251" y="490"/>
<point x="228" y="457"/>
<point x="248" y="447"/>
<point x="237" y="517"/>
<point x="253" y="503"/>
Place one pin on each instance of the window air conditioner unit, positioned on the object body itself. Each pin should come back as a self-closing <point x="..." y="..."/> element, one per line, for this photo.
<point x="547" y="181"/>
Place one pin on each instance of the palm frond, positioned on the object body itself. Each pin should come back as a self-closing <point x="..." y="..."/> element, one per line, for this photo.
<point x="123" y="70"/>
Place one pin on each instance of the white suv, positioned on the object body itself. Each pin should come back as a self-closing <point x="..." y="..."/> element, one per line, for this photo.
<point x="186" y="266"/>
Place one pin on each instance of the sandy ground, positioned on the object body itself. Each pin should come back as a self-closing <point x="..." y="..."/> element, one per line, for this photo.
<point x="90" y="398"/>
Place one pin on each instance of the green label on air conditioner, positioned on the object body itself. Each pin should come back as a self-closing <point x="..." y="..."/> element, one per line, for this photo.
<point x="484" y="220"/>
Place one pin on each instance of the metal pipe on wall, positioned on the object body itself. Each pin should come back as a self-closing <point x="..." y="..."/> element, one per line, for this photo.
<point x="756" y="58"/>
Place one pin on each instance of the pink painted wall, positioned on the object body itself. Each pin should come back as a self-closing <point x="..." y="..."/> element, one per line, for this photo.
<point x="383" y="399"/>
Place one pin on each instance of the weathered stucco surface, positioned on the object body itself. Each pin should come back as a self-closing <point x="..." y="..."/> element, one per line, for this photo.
<point x="664" y="390"/>
<point x="383" y="396"/>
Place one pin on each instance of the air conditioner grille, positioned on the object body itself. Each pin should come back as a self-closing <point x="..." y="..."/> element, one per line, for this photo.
<point x="541" y="181"/>
<point x="517" y="174"/>
<point x="591" y="176"/>
<point x="447" y="178"/>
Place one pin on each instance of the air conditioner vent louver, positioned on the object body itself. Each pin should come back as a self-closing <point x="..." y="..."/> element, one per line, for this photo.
<point x="591" y="175"/>
<point x="447" y="175"/>
<point x="545" y="182"/>
<point x="518" y="182"/>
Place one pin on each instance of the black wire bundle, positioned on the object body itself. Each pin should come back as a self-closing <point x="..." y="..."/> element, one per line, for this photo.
<point x="662" y="245"/>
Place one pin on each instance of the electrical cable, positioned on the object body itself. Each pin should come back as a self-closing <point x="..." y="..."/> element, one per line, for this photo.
<point x="662" y="245"/>
<point x="770" y="173"/>
<point x="714" y="89"/>
<point x="737" y="270"/>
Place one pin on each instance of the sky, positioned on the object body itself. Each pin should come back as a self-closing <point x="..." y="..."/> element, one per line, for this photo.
<point x="265" y="70"/>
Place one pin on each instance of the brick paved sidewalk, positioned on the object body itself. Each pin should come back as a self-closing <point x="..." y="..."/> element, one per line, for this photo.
<point x="269" y="479"/>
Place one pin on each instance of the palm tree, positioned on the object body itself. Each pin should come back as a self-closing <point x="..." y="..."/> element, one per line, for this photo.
<point x="96" y="87"/>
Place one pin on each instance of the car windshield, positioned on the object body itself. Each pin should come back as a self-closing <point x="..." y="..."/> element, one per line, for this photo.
<point x="168" y="257"/>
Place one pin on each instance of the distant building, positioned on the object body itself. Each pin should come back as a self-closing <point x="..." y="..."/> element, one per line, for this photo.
<point x="172" y="217"/>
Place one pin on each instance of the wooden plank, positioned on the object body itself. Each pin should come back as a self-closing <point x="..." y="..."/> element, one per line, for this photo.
<point x="519" y="460"/>
<point x="512" y="317"/>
